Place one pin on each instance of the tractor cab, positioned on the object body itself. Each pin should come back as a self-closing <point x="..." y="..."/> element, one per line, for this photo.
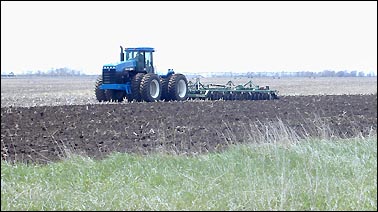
<point x="132" y="61"/>
<point x="139" y="60"/>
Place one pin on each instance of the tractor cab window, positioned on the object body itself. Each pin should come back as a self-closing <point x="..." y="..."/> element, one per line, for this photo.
<point x="149" y="65"/>
<point x="129" y="55"/>
<point x="139" y="56"/>
<point x="148" y="59"/>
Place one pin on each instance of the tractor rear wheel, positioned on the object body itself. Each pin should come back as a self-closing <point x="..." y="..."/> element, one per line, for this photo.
<point x="100" y="94"/>
<point x="178" y="87"/>
<point x="164" y="87"/>
<point x="150" y="88"/>
<point x="135" y="87"/>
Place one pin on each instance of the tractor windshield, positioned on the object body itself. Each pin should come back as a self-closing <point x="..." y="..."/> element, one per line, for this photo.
<point x="130" y="55"/>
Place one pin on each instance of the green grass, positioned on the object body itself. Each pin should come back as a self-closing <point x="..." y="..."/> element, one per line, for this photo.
<point x="312" y="174"/>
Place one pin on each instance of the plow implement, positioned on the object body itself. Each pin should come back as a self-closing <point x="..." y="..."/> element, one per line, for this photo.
<point x="230" y="91"/>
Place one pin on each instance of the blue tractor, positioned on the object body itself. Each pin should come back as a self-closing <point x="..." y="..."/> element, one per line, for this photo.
<point x="134" y="79"/>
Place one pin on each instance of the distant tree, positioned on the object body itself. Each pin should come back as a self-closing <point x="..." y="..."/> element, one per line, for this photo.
<point x="340" y="74"/>
<point x="328" y="73"/>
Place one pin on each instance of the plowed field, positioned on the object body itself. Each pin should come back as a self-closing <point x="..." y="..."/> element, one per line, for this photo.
<point x="47" y="133"/>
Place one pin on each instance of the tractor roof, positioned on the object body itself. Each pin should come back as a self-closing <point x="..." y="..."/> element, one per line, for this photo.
<point x="147" y="49"/>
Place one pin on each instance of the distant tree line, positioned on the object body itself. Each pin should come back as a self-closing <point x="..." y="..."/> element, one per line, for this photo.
<point x="325" y="73"/>
<point x="56" y="72"/>
<point x="63" y="72"/>
<point x="11" y="74"/>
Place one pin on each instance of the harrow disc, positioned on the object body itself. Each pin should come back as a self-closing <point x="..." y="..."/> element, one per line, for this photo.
<point x="248" y="91"/>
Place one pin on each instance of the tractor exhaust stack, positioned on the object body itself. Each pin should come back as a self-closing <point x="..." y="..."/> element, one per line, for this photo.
<point x="122" y="54"/>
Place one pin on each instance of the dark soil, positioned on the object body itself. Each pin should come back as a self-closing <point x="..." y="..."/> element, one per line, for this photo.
<point x="45" y="134"/>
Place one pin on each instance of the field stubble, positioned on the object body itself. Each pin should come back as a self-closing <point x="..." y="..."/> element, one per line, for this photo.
<point x="43" y="118"/>
<point x="51" y="91"/>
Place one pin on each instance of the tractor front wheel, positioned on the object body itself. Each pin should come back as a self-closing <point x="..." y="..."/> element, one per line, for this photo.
<point x="135" y="87"/>
<point x="100" y="94"/>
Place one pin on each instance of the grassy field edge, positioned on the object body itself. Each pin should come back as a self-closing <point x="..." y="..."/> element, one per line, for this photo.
<point x="310" y="174"/>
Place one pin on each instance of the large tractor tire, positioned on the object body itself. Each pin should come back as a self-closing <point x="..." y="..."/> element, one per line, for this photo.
<point x="164" y="88"/>
<point x="115" y="95"/>
<point x="150" y="88"/>
<point x="135" y="87"/>
<point x="178" y="87"/>
<point x="100" y="94"/>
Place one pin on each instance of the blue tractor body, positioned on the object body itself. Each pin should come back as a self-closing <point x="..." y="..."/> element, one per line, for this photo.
<point x="132" y="78"/>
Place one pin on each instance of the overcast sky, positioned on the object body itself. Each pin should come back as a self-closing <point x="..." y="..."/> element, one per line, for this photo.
<point x="191" y="36"/>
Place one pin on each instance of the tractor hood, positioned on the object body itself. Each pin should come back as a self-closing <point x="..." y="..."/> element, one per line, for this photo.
<point x="128" y="65"/>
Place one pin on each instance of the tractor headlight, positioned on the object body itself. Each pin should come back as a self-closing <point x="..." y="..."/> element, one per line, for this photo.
<point x="129" y="69"/>
<point x="109" y="67"/>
